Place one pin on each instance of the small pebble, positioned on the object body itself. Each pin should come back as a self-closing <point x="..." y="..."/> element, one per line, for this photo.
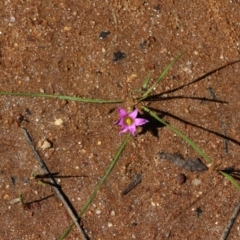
<point x="66" y="28"/>
<point x="196" y="182"/>
<point x="181" y="178"/>
<point x="58" y="122"/>
<point x="12" y="19"/>
<point x="15" y="200"/>
<point x="103" y="34"/>
<point x="45" y="144"/>
<point x="41" y="90"/>
<point x="110" y="224"/>
<point x="112" y="213"/>
<point x="6" y="196"/>
<point x="97" y="211"/>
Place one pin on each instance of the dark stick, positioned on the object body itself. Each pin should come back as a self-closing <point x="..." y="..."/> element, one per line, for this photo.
<point x="136" y="180"/>
<point x="230" y="222"/>
<point x="56" y="187"/>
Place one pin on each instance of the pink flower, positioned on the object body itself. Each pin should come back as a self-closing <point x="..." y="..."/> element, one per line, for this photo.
<point x="129" y="121"/>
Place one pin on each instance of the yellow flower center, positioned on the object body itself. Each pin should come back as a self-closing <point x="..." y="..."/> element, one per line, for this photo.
<point x="128" y="121"/>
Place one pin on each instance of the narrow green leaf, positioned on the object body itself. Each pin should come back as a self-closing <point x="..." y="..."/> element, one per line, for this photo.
<point x="63" y="97"/>
<point x="145" y="95"/>
<point x="145" y="83"/>
<point x="191" y="143"/>
<point x="231" y="179"/>
<point x="21" y="199"/>
<point x="100" y="183"/>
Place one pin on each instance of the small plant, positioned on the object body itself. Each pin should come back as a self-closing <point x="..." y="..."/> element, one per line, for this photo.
<point x="128" y="123"/>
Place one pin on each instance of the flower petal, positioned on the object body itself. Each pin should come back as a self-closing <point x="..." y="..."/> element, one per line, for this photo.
<point x="132" y="129"/>
<point x="117" y="122"/>
<point x="133" y="114"/>
<point x="122" y="113"/>
<point x="140" y="121"/>
<point x="123" y="130"/>
<point x="120" y="122"/>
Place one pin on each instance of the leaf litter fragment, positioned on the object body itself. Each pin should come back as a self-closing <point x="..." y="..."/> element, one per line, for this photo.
<point x="177" y="159"/>
<point x="136" y="180"/>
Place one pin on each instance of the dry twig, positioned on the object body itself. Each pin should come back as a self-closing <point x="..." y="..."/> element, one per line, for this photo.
<point x="56" y="187"/>
<point x="230" y="222"/>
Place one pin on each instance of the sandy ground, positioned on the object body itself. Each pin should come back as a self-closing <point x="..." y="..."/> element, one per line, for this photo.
<point x="105" y="49"/>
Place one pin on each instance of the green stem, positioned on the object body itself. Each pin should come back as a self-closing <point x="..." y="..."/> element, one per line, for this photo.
<point x="77" y="99"/>
<point x="190" y="142"/>
<point x="103" y="179"/>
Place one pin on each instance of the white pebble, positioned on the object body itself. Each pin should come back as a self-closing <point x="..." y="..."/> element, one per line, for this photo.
<point x="97" y="211"/>
<point x="112" y="213"/>
<point x="196" y="182"/>
<point x="110" y="224"/>
<point x="12" y="19"/>
<point x="58" y="122"/>
<point x="45" y="144"/>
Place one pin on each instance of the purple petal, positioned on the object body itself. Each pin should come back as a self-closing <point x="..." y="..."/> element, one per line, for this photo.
<point x="117" y="122"/>
<point x="122" y="113"/>
<point x="123" y="130"/>
<point x="133" y="114"/>
<point x="120" y="122"/>
<point x="132" y="129"/>
<point x="140" y="121"/>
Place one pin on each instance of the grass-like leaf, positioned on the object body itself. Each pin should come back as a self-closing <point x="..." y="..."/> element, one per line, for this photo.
<point x="146" y="94"/>
<point x="190" y="142"/>
<point x="145" y="83"/>
<point x="103" y="179"/>
<point x="58" y="96"/>
<point x="231" y="179"/>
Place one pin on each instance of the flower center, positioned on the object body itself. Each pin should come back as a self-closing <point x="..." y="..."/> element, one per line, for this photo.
<point x="128" y="121"/>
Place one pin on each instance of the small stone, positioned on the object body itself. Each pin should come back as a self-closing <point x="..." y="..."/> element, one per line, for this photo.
<point x="66" y="28"/>
<point x="153" y="204"/>
<point x="103" y="34"/>
<point x="27" y="78"/>
<point x="112" y="213"/>
<point x="6" y="196"/>
<point x="130" y="78"/>
<point x="12" y="19"/>
<point x="97" y="211"/>
<point x="181" y="178"/>
<point x="196" y="182"/>
<point x="110" y="224"/>
<point x="45" y="144"/>
<point x="15" y="200"/>
<point x="41" y="90"/>
<point x="58" y="122"/>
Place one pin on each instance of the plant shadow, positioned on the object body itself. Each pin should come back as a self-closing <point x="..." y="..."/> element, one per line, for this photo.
<point x="154" y="124"/>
